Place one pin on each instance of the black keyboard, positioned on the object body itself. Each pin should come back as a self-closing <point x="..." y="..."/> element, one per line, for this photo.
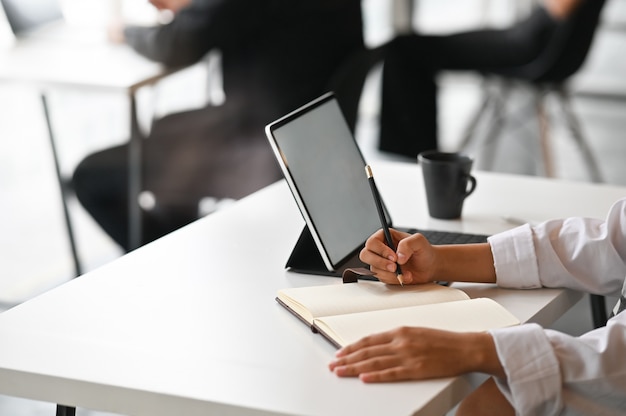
<point x="450" y="237"/>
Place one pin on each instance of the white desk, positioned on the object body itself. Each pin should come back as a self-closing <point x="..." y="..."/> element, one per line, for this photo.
<point x="188" y="324"/>
<point x="90" y="63"/>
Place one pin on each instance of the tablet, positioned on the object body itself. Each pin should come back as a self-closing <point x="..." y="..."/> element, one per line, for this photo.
<point x="324" y="168"/>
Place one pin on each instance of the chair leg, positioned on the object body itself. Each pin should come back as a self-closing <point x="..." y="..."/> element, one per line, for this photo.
<point x="65" y="411"/>
<point x="575" y="128"/>
<point x="493" y="102"/>
<point x="598" y="310"/>
<point x="491" y="142"/>
<point x="544" y="134"/>
<point x="470" y="131"/>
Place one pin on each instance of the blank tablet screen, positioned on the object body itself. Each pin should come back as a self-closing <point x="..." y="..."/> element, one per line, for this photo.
<point x="319" y="154"/>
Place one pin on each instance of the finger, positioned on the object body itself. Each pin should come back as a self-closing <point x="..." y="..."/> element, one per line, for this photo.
<point x="378" y="263"/>
<point x="383" y="364"/>
<point x="397" y="373"/>
<point x="365" y="342"/>
<point x="389" y="278"/>
<point x="365" y="360"/>
<point x="362" y="354"/>
<point x="376" y="260"/>
<point x="398" y="236"/>
<point x="376" y="243"/>
<point x="371" y="366"/>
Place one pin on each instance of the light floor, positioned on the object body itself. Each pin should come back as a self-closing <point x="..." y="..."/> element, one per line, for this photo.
<point x="34" y="246"/>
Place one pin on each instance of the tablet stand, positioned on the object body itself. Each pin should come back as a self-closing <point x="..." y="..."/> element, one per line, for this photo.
<point x="306" y="258"/>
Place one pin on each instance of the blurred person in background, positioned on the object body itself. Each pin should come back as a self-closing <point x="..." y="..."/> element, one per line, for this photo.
<point x="408" y="119"/>
<point x="276" y="56"/>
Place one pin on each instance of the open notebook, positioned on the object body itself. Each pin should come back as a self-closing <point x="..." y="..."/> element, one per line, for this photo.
<point x="345" y="313"/>
<point x="324" y="168"/>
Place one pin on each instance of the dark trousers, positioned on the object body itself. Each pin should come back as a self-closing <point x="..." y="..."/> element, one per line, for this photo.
<point x="408" y="121"/>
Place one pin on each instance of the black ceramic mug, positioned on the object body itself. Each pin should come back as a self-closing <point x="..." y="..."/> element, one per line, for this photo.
<point x="448" y="182"/>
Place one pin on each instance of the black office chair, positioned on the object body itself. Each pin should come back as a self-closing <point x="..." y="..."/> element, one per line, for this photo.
<point x="547" y="75"/>
<point x="561" y="58"/>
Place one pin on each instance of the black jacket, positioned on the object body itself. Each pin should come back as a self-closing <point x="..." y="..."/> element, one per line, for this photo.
<point x="277" y="54"/>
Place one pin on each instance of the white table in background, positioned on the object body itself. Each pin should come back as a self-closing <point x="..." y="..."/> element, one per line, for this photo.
<point x="92" y="64"/>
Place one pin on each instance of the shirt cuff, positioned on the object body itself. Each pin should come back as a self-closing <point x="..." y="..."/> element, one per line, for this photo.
<point x="514" y="258"/>
<point x="533" y="379"/>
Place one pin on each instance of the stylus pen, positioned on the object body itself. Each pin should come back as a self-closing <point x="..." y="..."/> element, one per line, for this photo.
<point x="381" y="215"/>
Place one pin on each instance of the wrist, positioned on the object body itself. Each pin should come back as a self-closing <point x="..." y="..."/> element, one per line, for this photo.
<point x="440" y="269"/>
<point x="483" y="356"/>
<point x="464" y="263"/>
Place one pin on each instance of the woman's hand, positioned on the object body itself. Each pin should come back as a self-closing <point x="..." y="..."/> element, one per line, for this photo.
<point x="422" y="262"/>
<point x="417" y="353"/>
<point x="415" y="255"/>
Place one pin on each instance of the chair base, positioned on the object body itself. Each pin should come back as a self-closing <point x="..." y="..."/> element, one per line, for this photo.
<point x="497" y="93"/>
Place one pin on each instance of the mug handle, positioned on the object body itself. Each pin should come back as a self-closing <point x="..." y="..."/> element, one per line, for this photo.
<point x="472" y="185"/>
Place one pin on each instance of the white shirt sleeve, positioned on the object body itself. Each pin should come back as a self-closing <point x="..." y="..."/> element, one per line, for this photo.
<point x="548" y="372"/>
<point x="578" y="253"/>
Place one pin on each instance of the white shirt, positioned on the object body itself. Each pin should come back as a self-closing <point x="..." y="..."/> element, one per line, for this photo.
<point x="548" y="372"/>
